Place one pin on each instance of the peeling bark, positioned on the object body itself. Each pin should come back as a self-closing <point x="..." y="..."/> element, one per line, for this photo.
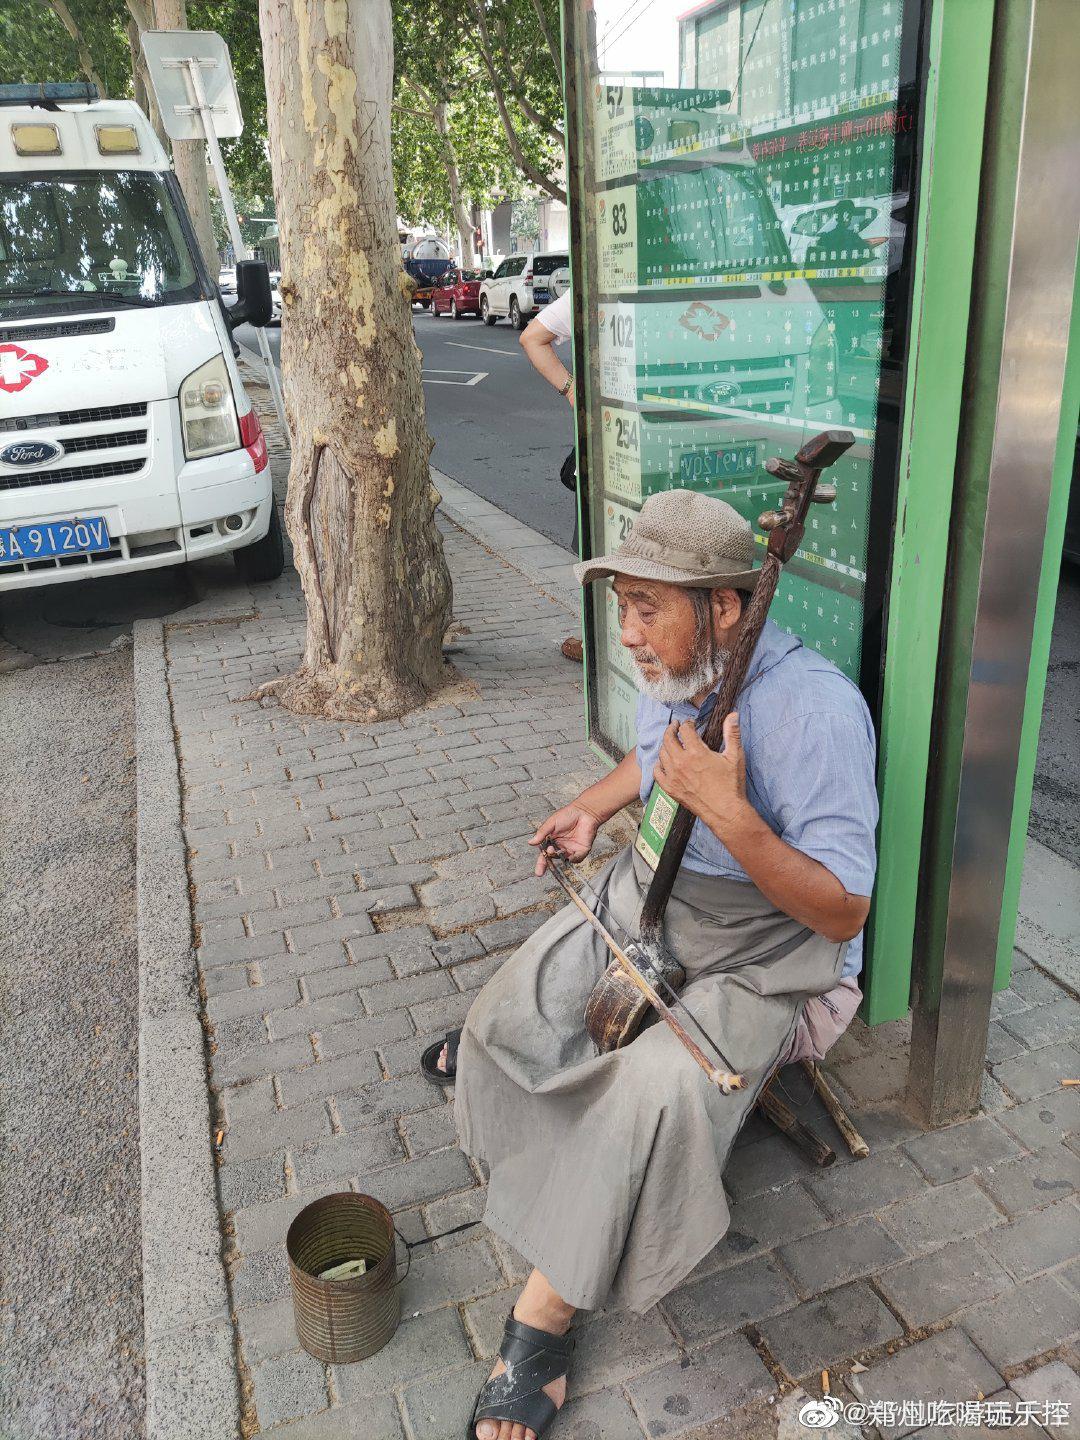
<point x="360" y="505"/>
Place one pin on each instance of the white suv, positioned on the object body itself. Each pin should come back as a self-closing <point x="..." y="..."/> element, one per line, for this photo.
<point x="520" y="287"/>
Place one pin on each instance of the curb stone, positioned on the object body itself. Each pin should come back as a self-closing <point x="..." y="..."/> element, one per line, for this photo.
<point x="191" y="1385"/>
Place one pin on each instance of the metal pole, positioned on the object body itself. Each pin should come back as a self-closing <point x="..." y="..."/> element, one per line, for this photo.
<point x="240" y="250"/>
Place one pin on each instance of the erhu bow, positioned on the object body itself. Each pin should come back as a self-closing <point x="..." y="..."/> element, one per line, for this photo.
<point x="629" y="987"/>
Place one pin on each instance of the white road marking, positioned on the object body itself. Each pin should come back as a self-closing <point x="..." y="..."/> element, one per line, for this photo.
<point x="489" y="349"/>
<point x="475" y="377"/>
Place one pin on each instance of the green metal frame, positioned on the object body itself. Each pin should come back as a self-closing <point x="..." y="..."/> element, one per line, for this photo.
<point x="955" y="97"/>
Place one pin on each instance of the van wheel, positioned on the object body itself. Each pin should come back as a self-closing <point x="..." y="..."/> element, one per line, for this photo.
<point x="485" y="311"/>
<point x="515" y="314"/>
<point x="265" y="559"/>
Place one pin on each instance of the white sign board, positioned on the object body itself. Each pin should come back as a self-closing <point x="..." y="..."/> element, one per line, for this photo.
<point x="169" y="57"/>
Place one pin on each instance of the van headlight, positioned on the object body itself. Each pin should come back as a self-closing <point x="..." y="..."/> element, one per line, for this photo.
<point x="823" y="364"/>
<point x="208" y="411"/>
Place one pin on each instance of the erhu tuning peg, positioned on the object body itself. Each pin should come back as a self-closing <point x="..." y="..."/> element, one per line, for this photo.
<point x="824" y="494"/>
<point x="771" y="519"/>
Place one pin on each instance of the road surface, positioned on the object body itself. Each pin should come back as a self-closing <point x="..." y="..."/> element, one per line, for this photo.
<point x="498" y="427"/>
<point x="71" y="1267"/>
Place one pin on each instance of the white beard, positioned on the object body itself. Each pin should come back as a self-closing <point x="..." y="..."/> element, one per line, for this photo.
<point x="672" y="689"/>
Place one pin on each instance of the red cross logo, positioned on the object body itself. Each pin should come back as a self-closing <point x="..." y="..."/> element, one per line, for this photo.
<point x="18" y="367"/>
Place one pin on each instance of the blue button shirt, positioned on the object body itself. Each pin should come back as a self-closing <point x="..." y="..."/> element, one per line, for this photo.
<point x="809" y="746"/>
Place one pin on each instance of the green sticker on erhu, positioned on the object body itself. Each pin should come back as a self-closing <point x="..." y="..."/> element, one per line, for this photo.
<point x="655" y="825"/>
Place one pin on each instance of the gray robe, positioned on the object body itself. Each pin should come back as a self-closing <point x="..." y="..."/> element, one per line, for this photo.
<point x="606" y="1170"/>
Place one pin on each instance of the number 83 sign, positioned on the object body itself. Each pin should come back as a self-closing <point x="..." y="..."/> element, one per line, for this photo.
<point x="616" y="231"/>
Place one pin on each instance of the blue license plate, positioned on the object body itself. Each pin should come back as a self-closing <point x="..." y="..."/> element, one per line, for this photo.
<point x="53" y="538"/>
<point x="541" y="296"/>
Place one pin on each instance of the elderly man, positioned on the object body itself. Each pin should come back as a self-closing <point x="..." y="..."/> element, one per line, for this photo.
<point x="606" y="1169"/>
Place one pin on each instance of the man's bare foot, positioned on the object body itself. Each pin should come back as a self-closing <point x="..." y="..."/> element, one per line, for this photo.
<point x="541" y="1307"/>
<point x="440" y="1064"/>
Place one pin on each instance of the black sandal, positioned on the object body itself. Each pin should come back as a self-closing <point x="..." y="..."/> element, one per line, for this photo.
<point x="533" y="1358"/>
<point x="429" y="1060"/>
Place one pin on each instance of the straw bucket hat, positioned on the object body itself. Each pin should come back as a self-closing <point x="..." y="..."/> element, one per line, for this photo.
<point x="682" y="538"/>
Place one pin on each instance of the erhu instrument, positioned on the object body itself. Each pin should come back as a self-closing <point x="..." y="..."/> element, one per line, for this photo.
<point x="643" y="975"/>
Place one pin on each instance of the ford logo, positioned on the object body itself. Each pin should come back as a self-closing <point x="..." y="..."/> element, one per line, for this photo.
<point x="30" y="452"/>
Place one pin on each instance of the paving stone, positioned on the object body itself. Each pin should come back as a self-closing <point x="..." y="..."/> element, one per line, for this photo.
<point x="614" y="1346"/>
<point x="882" y="1126"/>
<point x="329" y="1077"/>
<point x="1023" y="1323"/>
<point x="262" y="1135"/>
<point x="1056" y="1384"/>
<point x="361" y="1154"/>
<point x="388" y="1100"/>
<point x="1038" y="1241"/>
<point x="432" y="1129"/>
<point x="314" y="961"/>
<point x="246" y="1182"/>
<point x="469" y="910"/>
<point x="347" y="979"/>
<point x="364" y="1034"/>
<point x="228" y="978"/>
<point x="958" y="1150"/>
<point x="1034" y="987"/>
<point x="266" y="1059"/>
<point x="1044" y="1121"/>
<point x="511" y="931"/>
<point x="451" y="1210"/>
<point x="700" y="1387"/>
<point x="472" y="975"/>
<point x="263" y="1227"/>
<point x="752" y="1169"/>
<point x="946" y="1367"/>
<point x="1000" y="1403"/>
<point x="429" y="1343"/>
<point x="1038" y="1072"/>
<point x="1041" y="1024"/>
<point x="929" y="1289"/>
<point x="253" y="1101"/>
<point x="449" y="1277"/>
<point x="729" y="1298"/>
<point x="444" y="1013"/>
<point x="1050" y="1174"/>
<point x="267" y="1330"/>
<point x="439" y="1408"/>
<point x="877" y="1181"/>
<point x="840" y="1253"/>
<point x="425" y="1179"/>
<point x="828" y="1329"/>
<point x="288" y="1387"/>
<point x="1002" y="1044"/>
<point x="378" y="999"/>
<point x="313" y="1018"/>
<point x="261" y="1277"/>
<point x="761" y="1222"/>
<point x="946" y="1212"/>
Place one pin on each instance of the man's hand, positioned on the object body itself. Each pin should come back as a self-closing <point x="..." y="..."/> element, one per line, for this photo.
<point x="711" y="785"/>
<point x="573" y="829"/>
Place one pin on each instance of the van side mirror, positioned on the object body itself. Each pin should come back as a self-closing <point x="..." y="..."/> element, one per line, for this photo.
<point x="254" y="305"/>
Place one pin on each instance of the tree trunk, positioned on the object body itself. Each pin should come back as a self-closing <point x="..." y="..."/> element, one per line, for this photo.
<point x="189" y="156"/>
<point x="360" y="506"/>
<point x="86" y="60"/>
<point x="462" y="217"/>
<point x="138" y="21"/>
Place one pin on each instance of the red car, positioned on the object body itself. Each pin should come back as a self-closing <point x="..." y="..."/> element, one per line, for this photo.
<point x="458" y="293"/>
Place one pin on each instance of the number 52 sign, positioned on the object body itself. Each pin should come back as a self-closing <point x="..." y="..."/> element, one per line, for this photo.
<point x="616" y="233"/>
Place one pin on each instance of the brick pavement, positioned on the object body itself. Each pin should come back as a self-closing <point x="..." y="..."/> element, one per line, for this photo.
<point x="353" y="886"/>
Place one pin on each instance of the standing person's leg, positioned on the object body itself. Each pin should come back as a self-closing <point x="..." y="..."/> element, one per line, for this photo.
<point x="571" y="646"/>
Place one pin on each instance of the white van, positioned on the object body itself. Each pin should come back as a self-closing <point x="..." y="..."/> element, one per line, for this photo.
<point x="127" y="440"/>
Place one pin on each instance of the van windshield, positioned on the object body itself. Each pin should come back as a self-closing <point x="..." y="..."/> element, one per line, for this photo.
<point x="91" y="239"/>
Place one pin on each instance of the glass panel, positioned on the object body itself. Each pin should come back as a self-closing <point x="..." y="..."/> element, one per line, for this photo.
<point x="73" y="235"/>
<point x="545" y="264"/>
<point x="740" y="174"/>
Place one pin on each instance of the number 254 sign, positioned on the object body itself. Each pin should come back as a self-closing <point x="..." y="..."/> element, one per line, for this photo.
<point x="616" y="232"/>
